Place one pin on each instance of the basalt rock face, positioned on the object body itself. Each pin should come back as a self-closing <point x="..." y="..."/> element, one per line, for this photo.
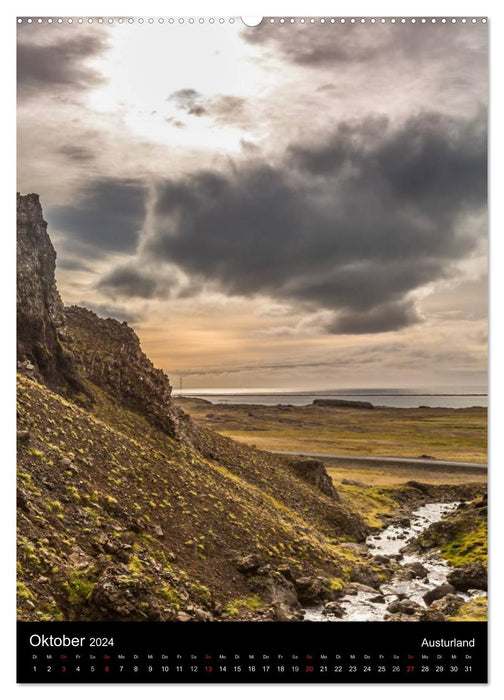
<point x="108" y="354"/>
<point x="40" y="318"/>
<point x="69" y="347"/>
<point x="314" y="472"/>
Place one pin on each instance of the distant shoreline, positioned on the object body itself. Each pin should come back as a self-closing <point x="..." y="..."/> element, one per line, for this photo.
<point x="462" y="400"/>
<point x="211" y="392"/>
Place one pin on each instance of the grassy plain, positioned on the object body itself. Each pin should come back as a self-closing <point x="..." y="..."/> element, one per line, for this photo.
<point x="442" y="433"/>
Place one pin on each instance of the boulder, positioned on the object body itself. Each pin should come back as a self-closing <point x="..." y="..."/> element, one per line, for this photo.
<point x="381" y="559"/>
<point x="278" y="589"/>
<point x="201" y="615"/>
<point x="158" y="531"/>
<point x="368" y="577"/>
<point x="405" y="607"/>
<point x="378" y="599"/>
<point x="472" y="575"/>
<point x="281" y="613"/>
<point x="249" y="564"/>
<point x="401" y="617"/>
<point x="417" y="569"/>
<point x="354" y="588"/>
<point x="431" y="615"/>
<point x="183" y="617"/>
<point x="352" y="482"/>
<point x="448" y="605"/>
<point x="438" y="592"/>
<point x="23" y="437"/>
<point x="313" y="590"/>
<point x="334" y="609"/>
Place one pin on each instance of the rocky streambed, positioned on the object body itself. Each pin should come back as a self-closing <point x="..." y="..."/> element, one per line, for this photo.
<point x="419" y="588"/>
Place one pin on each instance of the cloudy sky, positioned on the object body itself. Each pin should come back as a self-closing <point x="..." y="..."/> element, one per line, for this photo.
<point x="290" y="205"/>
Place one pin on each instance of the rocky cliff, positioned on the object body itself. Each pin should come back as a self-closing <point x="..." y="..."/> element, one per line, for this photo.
<point x="108" y="354"/>
<point x="127" y="510"/>
<point x="40" y="317"/>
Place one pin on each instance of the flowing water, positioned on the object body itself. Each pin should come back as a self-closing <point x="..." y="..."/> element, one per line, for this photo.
<point x="369" y="604"/>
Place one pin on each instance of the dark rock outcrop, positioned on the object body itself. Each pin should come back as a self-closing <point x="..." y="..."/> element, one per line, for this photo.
<point x="40" y="317"/>
<point x="314" y="590"/>
<point x="248" y="564"/>
<point x="438" y="592"/>
<point x="314" y="472"/>
<point x="473" y="575"/>
<point x="342" y="403"/>
<point x="366" y="576"/>
<point x="108" y="354"/>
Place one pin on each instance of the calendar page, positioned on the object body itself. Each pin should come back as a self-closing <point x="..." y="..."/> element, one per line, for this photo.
<point x="252" y="349"/>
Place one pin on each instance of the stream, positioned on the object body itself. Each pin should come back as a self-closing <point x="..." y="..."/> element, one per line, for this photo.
<point x="369" y="604"/>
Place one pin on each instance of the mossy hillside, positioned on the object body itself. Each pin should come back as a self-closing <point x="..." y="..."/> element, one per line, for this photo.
<point x="468" y="544"/>
<point x="108" y="502"/>
<point x="370" y="502"/>
<point x="461" y="536"/>
<point x="475" y="610"/>
<point x="271" y="474"/>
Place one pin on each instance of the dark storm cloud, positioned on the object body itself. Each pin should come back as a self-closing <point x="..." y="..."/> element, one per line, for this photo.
<point x="297" y="44"/>
<point x="386" y="317"/>
<point x="352" y="224"/>
<point x="61" y="66"/>
<point x="128" y="281"/>
<point x="106" y="216"/>
<point x="433" y="161"/>
<point x="333" y="45"/>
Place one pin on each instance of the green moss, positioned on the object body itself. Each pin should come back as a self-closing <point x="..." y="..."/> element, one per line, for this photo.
<point x="135" y="565"/>
<point x="370" y="502"/>
<point x="170" y="595"/>
<point x="35" y="453"/>
<point x="54" y="506"/>
<point x="74" y="494"/>
<point x="79" y="588"/>
<point x="236" y="607"/>
<point x="468" y="546"/>
<point x="23" y="592"/>
<point x="51" y="612"/>
<point x="475" y="610"/>
<point x="336" y="584"/>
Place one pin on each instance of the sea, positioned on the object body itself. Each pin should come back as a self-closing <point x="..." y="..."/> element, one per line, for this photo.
<point x="442" y="397"/>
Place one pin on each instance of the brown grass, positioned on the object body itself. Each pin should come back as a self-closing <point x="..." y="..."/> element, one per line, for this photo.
<point x="443" y="433"/>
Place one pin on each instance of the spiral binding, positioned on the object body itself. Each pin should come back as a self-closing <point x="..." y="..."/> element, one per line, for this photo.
<point x="266" y="20"/>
